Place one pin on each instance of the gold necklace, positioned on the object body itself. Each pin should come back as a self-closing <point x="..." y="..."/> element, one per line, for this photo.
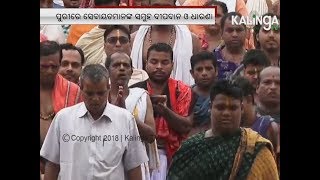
<point x="172" y="32"/>
<point x="50" y="116"/>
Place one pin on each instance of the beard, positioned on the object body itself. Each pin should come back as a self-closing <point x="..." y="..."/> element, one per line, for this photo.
<point x="159" y="80"/>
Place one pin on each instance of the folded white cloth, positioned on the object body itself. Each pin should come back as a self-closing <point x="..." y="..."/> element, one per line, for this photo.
<point x="182" y="52"/>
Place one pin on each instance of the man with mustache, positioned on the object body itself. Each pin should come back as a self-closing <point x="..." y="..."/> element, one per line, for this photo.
<point x="173" y="109"/>
<point x="264" y="125"/>
<point x="56" y="92"/>
<point x="269" y="40"/>
<point x="90" y="140"/>
<point x="71" y="63"/>
<point x="117" y="39"/>
<point x="230" y="55"/>
<point x="225" y="151"/>
<point x="135" y="100"/>
<point x="268" y="98"/>
<point x="268" y="92"/>
<point x="91" y="39"/>
<point x="182" y="41"/>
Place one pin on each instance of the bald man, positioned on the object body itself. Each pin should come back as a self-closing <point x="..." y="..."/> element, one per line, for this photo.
<point x="268" y="92"/>
<point x="135" y="100"/>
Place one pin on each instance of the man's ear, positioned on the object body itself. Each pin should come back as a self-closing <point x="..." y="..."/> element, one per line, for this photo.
<point x="257" y="37"/>
<point x="241" y="106"/>
<point x="191" y="72"/>
<point x="257" y="88"/>
<point x="131" y="72"/>
<point x="80" y="84"/>
<point x="104" y="46"/>
<point x="251" y="99"/>
<point x="108" y="83"/>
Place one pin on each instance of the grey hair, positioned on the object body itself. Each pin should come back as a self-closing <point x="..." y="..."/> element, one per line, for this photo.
<point x="94" y="72"/>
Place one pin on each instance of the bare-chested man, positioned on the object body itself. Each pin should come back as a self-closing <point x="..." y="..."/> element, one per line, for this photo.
<point x="182" y="41"/>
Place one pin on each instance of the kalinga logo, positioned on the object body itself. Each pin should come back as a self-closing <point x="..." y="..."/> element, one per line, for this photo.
<point x="268" y="22"/>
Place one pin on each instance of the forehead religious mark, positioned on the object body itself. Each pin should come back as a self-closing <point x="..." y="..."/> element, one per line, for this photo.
<point x="229" y="101"/>
<point x="118" y="33"/>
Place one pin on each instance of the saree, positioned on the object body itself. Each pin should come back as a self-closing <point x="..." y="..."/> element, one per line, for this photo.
<point x="222" y="157"/>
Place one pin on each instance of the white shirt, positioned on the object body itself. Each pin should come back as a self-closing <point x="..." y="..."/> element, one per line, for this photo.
<point x="86" y="149"/>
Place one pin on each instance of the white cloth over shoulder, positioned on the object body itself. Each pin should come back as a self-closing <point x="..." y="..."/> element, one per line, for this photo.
<point x="136" y="103"/>
<point x="258" y="7"/>
<point x="137" y="98"/>
<point x="182" y="52"/>
<point x="53" y="33"/>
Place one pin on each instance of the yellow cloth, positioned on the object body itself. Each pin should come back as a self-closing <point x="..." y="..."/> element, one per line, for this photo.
<point x="264" y="166"/>
<point x="92" y="44"/>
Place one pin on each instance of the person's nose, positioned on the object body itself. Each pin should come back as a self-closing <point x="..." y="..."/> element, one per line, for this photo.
<point x="255" y="76"/>
<point x="159" y="66"/>
<point x="234" y="33"/>
<point x="204" y="73"/>
<point x="118" y="44"/>
<point x="69" y="68"/>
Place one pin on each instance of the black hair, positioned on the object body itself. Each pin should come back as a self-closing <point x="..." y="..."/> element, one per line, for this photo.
<point x="68" y="46"/>
<point x="257" y="28"/>
<point x="246" y="87"/>
<point x="255" y="57"/>
<point x="94" y="72"/>
<point x="109" y="59"/>
<point x="50" y="47"/>
<point x="203" y="56"/>
<point x="229" y="16"/>
<point x="109" y="29"/>
<point x="161" y="47"/>
<point x="227" y="88"/>
<point x="106" y="2"/>
<point x="218" y="3"/>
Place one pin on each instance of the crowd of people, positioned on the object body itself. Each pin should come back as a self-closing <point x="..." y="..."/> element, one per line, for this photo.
<point x="157" y="102"/>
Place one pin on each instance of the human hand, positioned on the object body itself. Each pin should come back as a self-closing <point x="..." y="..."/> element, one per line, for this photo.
<point x="120" y="100"/>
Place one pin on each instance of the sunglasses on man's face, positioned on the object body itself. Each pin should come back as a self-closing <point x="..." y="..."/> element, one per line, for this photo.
<point x="114" y="40"/>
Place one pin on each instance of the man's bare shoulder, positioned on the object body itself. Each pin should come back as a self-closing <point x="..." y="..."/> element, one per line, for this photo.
<point x="195" y="43"/>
